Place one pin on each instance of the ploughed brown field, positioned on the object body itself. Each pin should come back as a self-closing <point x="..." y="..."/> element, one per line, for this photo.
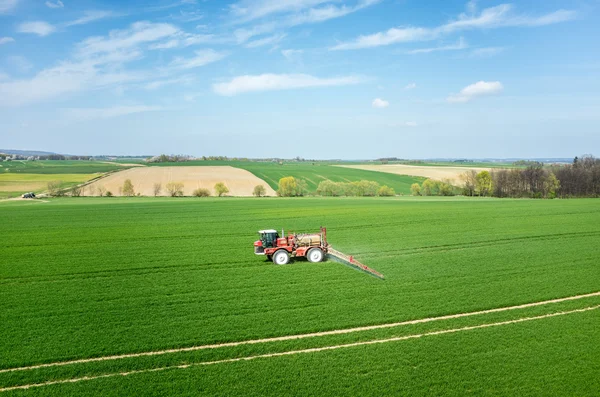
<point x="240" y="182"/>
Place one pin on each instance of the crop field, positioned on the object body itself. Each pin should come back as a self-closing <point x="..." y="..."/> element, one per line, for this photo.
<point x="312" y="172"/>
<point x="158" y="296"/>
<point x="18" y="177"/>
<point x="59" y="167"/>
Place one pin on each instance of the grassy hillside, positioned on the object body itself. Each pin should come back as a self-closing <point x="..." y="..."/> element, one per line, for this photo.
<point x="97" y="277"/>
<point x="313" y="173"/>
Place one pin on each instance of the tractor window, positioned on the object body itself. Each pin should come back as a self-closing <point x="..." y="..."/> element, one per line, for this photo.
<point x="269" y="239"/>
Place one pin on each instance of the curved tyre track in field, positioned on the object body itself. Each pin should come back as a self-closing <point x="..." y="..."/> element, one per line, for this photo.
<point x="305" y="351"/>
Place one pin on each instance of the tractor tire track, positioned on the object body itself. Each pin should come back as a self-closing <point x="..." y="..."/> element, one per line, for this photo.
<point x="303" y="351"/>
<point x="298" y="336"/>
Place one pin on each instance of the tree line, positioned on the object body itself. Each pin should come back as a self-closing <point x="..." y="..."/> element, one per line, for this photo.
<point x="580" y="179"/>
<point x="295" y="187"/>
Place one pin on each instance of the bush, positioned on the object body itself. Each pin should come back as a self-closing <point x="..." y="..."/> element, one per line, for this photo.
<point x="55" y="188"/>
<point x="259" y="191"/>
<point x="221" y="189"/>
<point x="109" y="194"/>
<point x="386" y="191"/>
<point x="175" y="189"/>
<point x="77" y="191"/>
<point x="157" y="189"/>
<point x="128" y="188"/>
<point x="201" y="192"/>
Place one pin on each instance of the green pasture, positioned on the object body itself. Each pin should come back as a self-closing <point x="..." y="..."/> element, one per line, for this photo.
<point x="13" y="184"/>
<point x="91" y="277"/>
<point x="312" y="172"/>
<point x="57" y="167"/>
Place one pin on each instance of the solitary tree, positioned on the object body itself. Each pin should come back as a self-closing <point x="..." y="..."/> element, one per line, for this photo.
<point x="259" y="191"/>
<point x="157" y="189"/>
<point x="221" y="189"/>
<point x="101" y="190"/>
<point x="415" y="189"/>
<point x="287" y="186"/>
<point x="484" y="183"/>
<point x="128" y="188"/>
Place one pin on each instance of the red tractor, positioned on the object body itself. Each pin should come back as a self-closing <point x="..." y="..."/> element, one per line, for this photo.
<point x="280" y="249"/>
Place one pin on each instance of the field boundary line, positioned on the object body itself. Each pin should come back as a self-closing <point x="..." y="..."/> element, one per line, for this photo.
<point x="303" y="351"/>
<point x="299" y="336"/>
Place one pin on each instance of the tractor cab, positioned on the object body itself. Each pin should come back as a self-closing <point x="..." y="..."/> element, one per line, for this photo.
<point x="268" y="239"/>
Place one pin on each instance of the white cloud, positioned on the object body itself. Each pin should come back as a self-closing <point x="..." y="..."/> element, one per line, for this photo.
<point x="202" y="58"/>
<point x="460" y="45"/>
<point x="154" y="85"/>
<point x="165" y="45"/>
<point x="272" y="82"/>
<point x="304" y="13"/>
<point x="40" y="28"/>
<point x="91" y="16"/>
<point x="410" y="86"/>
<point x="183" y="40"/>
<point x="327" y="12"/>
<point x="380" y="103"/>
<point x="481" y="88"/>
<point x="292" y="55"/>
<point x="8" y="5"/>
<point x="269" y="40"/>
<point x="188" y="16"/>
<point x="486" y="52"/>
<point x="247" y="10"/>
<point x="117" y="40"/>
<point x="85" y="114"/>
<point x="70" y="78"/>
<point x="391" y="36"/>
<point x="492" y="17"/>
<point x="411" y="124"/>
<point x="56" y="4"/>
<point x="5" y="40"/>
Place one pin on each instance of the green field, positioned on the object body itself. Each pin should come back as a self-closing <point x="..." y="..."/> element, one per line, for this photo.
<point x="312" y="172"/>
<point x="18" y="177"/>
<point x="58" y="167"/>
<point x="83" y="278"/>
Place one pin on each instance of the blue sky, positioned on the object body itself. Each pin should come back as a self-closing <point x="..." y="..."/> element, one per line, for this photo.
<point x="311" y="78"/>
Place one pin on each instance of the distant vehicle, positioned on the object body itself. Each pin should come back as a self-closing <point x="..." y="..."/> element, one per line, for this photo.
<point x="29" y="195"/>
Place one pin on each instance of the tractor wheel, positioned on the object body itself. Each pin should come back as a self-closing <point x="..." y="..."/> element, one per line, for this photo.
<point x="281" y="257"/>
<point x="315" y="255"/>
<point x="269" y="257"/>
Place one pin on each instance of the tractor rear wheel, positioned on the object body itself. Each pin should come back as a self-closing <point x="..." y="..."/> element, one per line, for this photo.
<point x="281" y="257"/>
<point x="315" y="255"/>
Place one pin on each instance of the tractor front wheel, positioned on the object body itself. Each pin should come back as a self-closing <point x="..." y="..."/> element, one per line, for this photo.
<point x="281" y="257"/>
<point x="315" y="255"/>
<point x="269" y="257"/>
